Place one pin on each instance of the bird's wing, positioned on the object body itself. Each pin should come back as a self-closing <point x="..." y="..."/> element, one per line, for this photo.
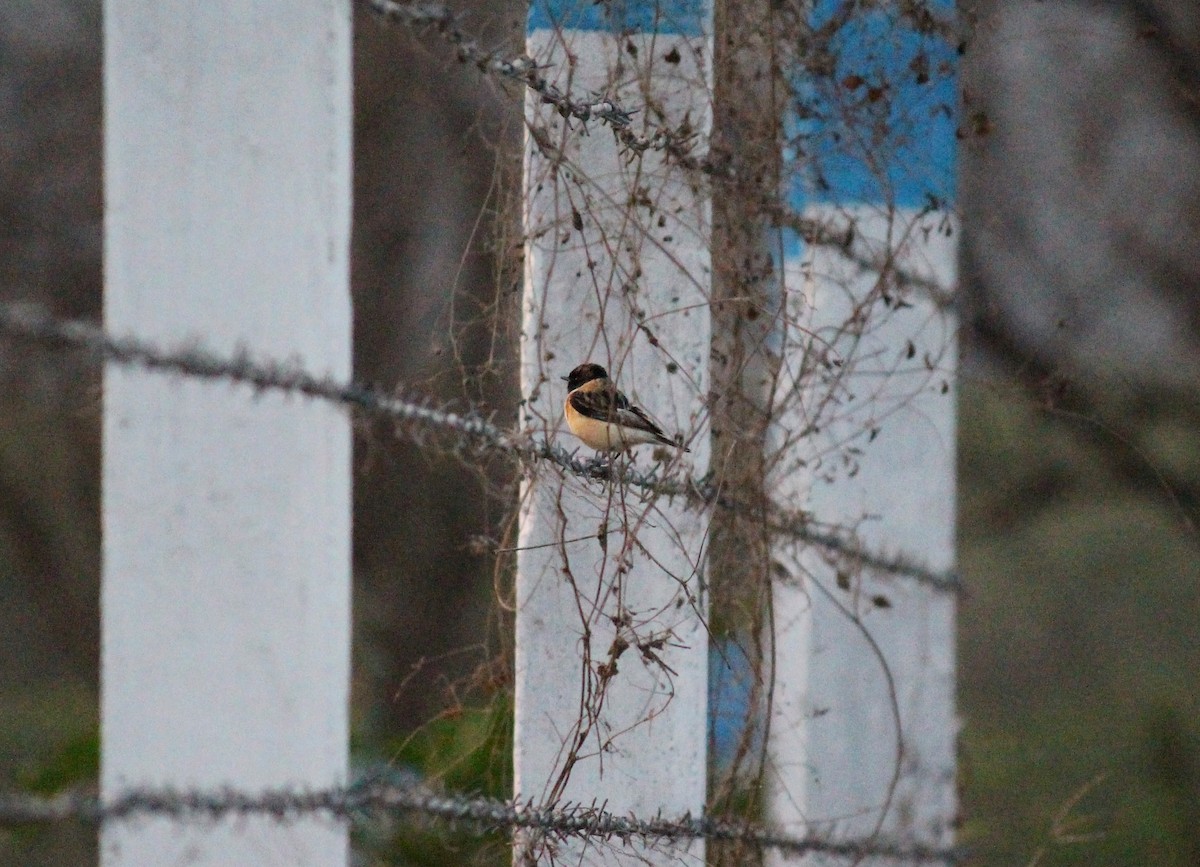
<point x="610" y="405"/>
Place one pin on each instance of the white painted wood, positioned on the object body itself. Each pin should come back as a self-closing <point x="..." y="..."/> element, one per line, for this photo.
<point x="226" y="554"/>
<point x="883" y="465"/>
<point x="642" y="749"/>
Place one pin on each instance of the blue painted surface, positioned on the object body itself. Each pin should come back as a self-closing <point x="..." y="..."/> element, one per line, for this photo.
<point x="878" y="129"/>
<point x="681" y="17"/>
<point x="881" y="127"/>
<point x="730" y="684"/>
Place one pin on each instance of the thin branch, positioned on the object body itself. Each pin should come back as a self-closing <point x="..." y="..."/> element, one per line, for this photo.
<point x="843" y="239"/>
<point x="1078" y="399"/>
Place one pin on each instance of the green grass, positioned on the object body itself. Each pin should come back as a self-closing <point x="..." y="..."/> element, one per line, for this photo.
<point x="48" y="741"/>
<point x="1079" y="649"/>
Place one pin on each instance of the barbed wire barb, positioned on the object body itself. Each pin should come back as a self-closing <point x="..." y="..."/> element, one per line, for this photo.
<point x="358" y="802"/>
<point x="34" y="323"/>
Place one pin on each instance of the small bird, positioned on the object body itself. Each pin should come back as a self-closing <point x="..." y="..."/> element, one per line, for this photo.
<point x="600" y="415"/>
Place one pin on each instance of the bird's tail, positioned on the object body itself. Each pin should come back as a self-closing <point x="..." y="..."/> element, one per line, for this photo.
<point x="675" y="444"/>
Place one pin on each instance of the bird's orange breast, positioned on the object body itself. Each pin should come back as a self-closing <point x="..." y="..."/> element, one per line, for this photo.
<point x="603" y="435"/>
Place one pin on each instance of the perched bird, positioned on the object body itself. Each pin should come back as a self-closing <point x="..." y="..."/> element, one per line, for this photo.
<point x="600" y="415"/>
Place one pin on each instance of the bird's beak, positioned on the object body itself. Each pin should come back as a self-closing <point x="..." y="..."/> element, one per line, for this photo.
<point x="564" y="378"/>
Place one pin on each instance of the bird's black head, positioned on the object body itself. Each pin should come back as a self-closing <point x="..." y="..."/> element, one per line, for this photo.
<point x="585" y="372"/>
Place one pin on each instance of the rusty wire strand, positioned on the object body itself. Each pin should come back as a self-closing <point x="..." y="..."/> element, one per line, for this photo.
<point x="34" y="323"/>
<point x="362" y="801"/>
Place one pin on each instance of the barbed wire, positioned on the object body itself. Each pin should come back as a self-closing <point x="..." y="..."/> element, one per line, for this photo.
<point x="361" y="801"/>
<point x="34" y="323"/>
<point x="357" y="802"/>
<point x="524" y="69"/>
<point x="678" y="144"/>
<point x="845" y="240"/>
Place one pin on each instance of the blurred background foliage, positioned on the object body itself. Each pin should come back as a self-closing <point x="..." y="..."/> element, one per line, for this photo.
<point x="1079" y="451"/>
<point x="1078" y="646"/>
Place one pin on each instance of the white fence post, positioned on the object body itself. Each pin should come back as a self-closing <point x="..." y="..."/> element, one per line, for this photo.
<point x="611" y="656"/>
<point x="874" y="364"/>
<point x="226" y="554"/>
